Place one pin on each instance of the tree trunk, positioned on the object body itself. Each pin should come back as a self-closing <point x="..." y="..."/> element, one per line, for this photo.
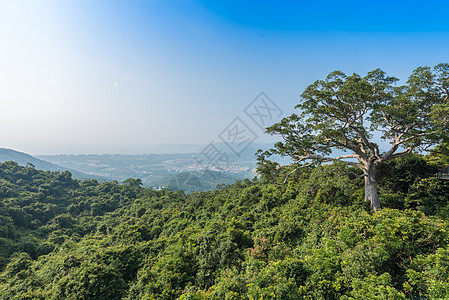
<point x="371" y="194"/>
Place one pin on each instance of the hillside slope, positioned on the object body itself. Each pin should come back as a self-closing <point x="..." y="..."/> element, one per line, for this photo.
<point x="313" y="238"/>
<point x="23" y="159"/>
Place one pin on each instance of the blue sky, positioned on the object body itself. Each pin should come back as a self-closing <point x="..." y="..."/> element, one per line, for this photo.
<point x="91" y="76"/>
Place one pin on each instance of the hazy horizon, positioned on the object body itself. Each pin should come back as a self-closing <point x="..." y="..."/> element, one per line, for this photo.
<point x="83" y="77"/>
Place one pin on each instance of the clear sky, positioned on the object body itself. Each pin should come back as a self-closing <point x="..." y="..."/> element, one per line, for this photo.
<point x="118" y="76"/>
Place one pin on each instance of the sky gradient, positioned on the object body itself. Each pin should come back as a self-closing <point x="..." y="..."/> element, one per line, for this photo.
<point x="86" y="76"/>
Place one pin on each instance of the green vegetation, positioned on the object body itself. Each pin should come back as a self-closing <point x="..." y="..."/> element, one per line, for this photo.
<point x="24" y="159"/>
<point x="344" y="113"/>
<point x="320" y="235"/>
<point x="200" y="181"/>
<point x="312" y="238"/>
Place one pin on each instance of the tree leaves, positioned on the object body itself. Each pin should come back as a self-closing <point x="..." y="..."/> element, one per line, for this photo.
<point x="344" y="113"/>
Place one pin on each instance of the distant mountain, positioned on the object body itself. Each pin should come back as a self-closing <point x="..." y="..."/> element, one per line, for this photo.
<point x="23" y="159"/>
<point x="155" y="169"/>
<point x="247" y="154"/>
<point x="174" y="148"/>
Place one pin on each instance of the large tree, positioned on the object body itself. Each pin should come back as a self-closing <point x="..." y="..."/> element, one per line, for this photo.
<point x="350" y="115"/>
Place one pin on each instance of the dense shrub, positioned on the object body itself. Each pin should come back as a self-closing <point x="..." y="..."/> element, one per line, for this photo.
<point x="312" y="238"/>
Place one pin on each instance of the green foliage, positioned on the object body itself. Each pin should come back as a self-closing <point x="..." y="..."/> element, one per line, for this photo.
<point x="314" y="238"/>
<point x="375" y="287"/>
<point x="439" y="156"/>
<point x="340" y="115"/>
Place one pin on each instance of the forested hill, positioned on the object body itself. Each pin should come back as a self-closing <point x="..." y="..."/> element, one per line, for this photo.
<point x="312" y="238"/>
<point x="25" y="159"/>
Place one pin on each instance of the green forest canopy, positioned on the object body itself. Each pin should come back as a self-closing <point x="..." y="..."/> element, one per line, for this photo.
<point x="312" y="238"/>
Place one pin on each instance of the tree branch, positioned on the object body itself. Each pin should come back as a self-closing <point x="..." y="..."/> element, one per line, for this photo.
<point x="402" y="153"/>
<point x="291" y="172"/>
<point x="323" y="159"/>
<point x="354" y="174"/>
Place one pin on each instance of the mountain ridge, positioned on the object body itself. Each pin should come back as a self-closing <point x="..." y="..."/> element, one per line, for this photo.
<point x="25" y="159"/>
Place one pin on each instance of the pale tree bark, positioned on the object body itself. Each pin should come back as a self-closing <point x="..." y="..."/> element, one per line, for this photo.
<point x="371" y="194"/>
